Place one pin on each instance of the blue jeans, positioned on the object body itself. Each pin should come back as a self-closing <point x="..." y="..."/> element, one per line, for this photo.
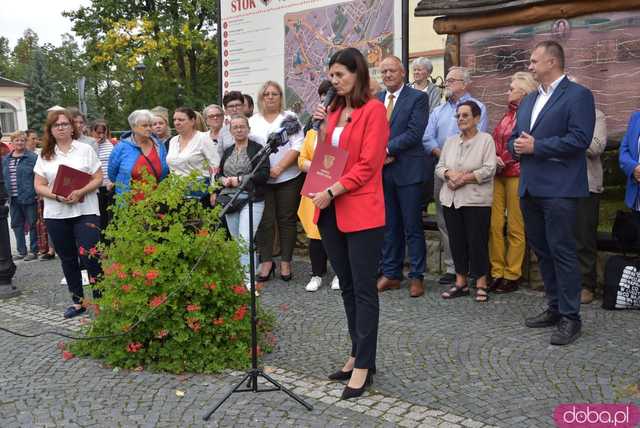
<point x="22" y="214"/>
<point x="238" y="224"/>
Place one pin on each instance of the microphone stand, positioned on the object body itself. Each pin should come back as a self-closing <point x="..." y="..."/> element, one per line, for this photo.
<point x="255" y="372"/>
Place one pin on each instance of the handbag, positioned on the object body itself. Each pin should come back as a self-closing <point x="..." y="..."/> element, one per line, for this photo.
<point x="621" y="283"/>
<point x="223" y="200"/>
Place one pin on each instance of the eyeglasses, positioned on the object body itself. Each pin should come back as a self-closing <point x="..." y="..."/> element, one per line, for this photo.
<point x="62" y="125"/>
<point x="214" y="116"/>
<point x="236" y="105"/>
<point x="463" y="115"/>
<point x="271" y="94"/>
<point x="451" y="80"/>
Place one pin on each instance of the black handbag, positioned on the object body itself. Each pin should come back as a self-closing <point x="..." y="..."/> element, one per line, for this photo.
<point x="224" y="199"/>
<point x="621" y="283"/>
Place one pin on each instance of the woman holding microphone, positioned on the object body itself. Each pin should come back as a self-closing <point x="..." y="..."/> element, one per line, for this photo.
<point x="350" y="212"/>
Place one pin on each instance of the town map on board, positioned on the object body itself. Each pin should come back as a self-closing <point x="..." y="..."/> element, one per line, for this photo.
<point x="312" y="36"/>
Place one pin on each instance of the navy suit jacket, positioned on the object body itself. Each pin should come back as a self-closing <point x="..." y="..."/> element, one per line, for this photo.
<point x="407" y="124"/>
<point x="563" y="131"/>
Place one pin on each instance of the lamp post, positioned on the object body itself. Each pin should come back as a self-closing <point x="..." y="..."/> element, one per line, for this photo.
<point x="140" y="68"/>
<point x="7" y="267"/>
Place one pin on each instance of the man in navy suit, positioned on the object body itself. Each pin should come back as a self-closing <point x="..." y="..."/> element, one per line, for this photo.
<point x="553" y="130"/>
<point x="403" y="179"/>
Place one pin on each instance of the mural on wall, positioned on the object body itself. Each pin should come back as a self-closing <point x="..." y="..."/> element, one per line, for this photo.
<point x="602" y="52"/>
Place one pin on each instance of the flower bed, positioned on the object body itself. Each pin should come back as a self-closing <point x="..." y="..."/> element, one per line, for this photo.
<point x="172" y="288"/>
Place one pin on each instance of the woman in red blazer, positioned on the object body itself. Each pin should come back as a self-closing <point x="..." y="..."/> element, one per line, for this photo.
<point x="350" y="213"/>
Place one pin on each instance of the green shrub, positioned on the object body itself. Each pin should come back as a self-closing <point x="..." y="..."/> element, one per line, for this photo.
<point x="173" y="283"/>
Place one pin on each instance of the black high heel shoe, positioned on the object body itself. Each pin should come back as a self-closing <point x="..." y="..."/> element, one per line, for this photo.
<point x="288" y="277"/>
<point x="340" y="375"/>
<point x="271" y="274"/>
<point x="348" y="392"/>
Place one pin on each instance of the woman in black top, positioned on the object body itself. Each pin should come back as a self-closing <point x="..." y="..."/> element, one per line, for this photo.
<point x="235" y="166"/>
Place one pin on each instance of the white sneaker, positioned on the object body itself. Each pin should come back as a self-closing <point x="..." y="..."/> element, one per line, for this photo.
<point x="335" y="283"/>
<point x="314" y="284"/>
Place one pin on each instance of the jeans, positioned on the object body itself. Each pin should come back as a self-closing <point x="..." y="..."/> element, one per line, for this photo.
<point x="238" y="224"/>
<point x="68" y="234"/>
<point x="22" y="214"/>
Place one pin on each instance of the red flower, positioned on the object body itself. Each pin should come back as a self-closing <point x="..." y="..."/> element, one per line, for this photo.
<point x="92" y="280"/>
<point x="211" y="286"/>
<point x="125" y="287"/>
<point x="66" y="355"/>
<point x="240" y="313"/>
<point x="149" y="249"/>
<point x="151" y="275"/>
<point x="218" y="321"/>
<point x="161" y="334"/>
<point x="193" y="308"/>
<point x="158" y="300"/>
<point x="137" y="274"/>
<point x="194" y="324"/>
<point x="203" y="233"/>
<point x="161" y="216"/>
<point x="134" y="347"/>
<point x="239" y="289"/>
<point x="122" y="275"/>
<point x="115" y="267"/>
<point x="81" y="250"/>
<point x="93" y="251"/>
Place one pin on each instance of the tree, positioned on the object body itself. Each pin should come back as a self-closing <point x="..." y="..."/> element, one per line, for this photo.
<point x="175" y="40"/>
<point x="40" y="95"/>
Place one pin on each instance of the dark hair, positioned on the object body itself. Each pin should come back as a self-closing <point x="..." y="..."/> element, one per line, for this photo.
<point x="232" y="96"/>
<point x="101" y="123"/>
<point x="554" y="49"/>
<point x="354" y="61"/>
<point x="49" y="141"/>
<point x="324" y="87"/>
<point x="249" y="99"/>
<point x="475" y="109"/>
<point x="31" y="131"/>
<point x="191" y="114"/>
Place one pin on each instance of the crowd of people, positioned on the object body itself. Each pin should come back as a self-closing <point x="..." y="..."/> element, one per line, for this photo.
<point x="493" y="190"/>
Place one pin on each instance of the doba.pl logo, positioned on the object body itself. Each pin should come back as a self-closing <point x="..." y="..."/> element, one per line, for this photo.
<point x="596" y="415"/>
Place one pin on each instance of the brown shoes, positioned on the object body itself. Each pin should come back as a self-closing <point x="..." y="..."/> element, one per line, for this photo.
<point x="416" y="287"/>
<point x="385" y="284"/>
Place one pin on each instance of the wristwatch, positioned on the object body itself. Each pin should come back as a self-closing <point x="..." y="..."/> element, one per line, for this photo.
<point x="330" y="193"/>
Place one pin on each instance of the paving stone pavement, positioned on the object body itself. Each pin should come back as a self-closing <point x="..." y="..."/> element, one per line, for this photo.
<point x="440" y="364"/>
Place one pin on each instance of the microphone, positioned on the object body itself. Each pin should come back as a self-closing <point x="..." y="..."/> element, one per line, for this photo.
<point x="288" y="127"/>
<point x="328" y="99"/>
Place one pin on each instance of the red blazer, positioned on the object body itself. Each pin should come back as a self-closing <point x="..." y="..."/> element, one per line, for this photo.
<point x="365" y="140"/>
<point x="501" y="136"/>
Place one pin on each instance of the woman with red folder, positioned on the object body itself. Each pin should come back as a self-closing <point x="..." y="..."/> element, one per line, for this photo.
<point x="73" y="221"/>
<point x="350" y="212"/>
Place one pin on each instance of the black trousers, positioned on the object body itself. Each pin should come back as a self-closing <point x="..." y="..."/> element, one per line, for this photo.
<point x="318" y="257"/>
<point x="469" y="239"/>
<point x="354" y="257"/>
<point x="68" y="235"/>
<point x="586" y="229"/>
<point x="105" y="200"/>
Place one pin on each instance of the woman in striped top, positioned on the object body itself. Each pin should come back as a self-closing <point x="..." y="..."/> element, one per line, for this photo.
<point x="100" y="131"/>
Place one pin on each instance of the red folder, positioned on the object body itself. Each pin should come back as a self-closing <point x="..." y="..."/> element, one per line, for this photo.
<point x="326" y="168"/>
<point x="69" y="179"/>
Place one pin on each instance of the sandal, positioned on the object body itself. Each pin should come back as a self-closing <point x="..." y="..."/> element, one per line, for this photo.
<point x="456" y="291"/>
<point x="484" y="297"/>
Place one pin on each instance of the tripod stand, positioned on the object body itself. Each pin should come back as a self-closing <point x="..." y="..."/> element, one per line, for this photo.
<point x="255" y="372"/>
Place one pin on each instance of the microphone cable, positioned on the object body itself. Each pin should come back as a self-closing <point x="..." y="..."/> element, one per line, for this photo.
<point x="145" y="316"/>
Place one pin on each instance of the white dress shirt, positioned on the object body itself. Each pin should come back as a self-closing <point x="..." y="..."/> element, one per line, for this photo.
<point x="260" y="130"/>
<point x="395" y="94"/>
<point x="200" y="154"/>
<point x="542" y="99"/>
<point x="80" y="156"/>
